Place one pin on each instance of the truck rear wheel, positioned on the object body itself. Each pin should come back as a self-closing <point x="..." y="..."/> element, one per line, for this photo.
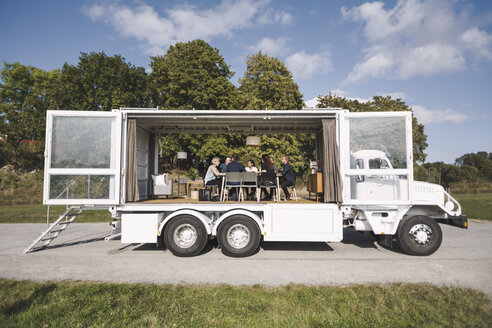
<point x="419" y="235"/>
<point x="238" y="236"/>
<point x="185" y="236"/>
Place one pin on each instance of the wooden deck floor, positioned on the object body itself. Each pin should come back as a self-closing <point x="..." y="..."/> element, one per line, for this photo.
<point x="194" y="201"/>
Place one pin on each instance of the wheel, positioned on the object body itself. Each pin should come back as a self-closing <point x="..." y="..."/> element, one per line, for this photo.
<point x="238" y="236"/>
<point x="185" y="235"/>
<point x="419" y="235"/>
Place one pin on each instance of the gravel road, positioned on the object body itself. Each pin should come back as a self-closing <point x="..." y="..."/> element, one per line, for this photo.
<point x="80" y="253"/>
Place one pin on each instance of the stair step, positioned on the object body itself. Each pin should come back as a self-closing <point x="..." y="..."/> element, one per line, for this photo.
<point x="64" y="222"/>
<point x="59" y="230"/>
<point x="48" y="238"/>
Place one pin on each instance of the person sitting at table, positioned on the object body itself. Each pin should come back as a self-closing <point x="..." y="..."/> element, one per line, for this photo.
<point x="250" y="192"/>
<point x="267" y="175"/>
<point x="288" y="175"/>
<point x="235" y="166"/>
<point x="213" y="177"/>
<point x="223" y="166"/>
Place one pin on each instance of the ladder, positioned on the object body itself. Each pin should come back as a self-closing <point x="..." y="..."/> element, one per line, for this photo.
<point x="54" y="229"/>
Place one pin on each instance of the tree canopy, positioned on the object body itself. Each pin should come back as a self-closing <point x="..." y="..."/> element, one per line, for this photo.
<point x="101" y="82"/>
<point x="192" y="75"/>
<point x="268" y="84"/>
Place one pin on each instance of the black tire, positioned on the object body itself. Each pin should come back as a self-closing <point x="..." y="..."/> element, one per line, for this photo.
<point x="420" y="224"/>
<point x="244" y="224"/>
<point x="188" y="223"/>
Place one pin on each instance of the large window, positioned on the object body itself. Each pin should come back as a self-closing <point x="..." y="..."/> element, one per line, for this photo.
<point x="82" y="167"/>
<point x="81" y="142"/>
<point x="376" y="157"/>
<point x="385" y="134"/>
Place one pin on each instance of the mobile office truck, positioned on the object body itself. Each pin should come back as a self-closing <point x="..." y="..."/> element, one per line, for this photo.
<point x="97" y="160"/>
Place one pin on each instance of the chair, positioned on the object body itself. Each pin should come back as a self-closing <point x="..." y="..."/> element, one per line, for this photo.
<point x="232" y="179"/>
<point x="268" y="180"/>
<point x="249" y="180"/>
<point x="293" y="192"/>
<point x="160" y="188"/>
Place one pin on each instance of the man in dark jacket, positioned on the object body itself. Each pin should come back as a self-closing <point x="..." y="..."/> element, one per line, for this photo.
<point x="289" y="177"/>
<point x="235" y="166"/>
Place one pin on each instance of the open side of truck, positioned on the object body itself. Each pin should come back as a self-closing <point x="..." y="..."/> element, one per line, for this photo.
<point x="105" y="160"/>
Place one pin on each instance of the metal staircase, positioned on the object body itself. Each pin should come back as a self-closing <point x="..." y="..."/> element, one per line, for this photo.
<point x="54" y="229"/>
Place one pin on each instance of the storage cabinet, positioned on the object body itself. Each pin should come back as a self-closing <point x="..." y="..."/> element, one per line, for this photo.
<point x="315" y="185"/>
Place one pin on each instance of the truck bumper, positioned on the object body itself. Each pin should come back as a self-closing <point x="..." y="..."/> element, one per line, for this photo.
<point x="460" y="221"/>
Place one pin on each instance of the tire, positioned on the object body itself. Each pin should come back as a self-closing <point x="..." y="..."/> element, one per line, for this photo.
<point x="419" y="235"/>
<point x="185" y="236"/>
<point x="247" y="236"/>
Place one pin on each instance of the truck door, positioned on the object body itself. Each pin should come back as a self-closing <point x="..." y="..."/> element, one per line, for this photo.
<point x="82" y="158"/>
<point x="376" y="157"/>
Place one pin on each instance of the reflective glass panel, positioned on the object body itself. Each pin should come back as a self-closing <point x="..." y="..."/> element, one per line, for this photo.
<point x="80" y="186"/>
<point x="81" y="142"/>
<point x="374" y="138"/>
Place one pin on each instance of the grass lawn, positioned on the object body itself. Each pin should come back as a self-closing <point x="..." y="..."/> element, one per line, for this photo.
<point x="37" y="214"/>
<point x="478" y="206"/>
<point x="84" y="304"/>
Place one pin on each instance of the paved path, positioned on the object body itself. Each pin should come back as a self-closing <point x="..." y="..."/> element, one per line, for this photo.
<point x="464" y="259"/>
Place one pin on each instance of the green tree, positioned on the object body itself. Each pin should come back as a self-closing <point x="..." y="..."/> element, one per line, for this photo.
<point x="101" y="82"/>
<point x="192" y="75"/>
<point x="268" y="84"/>
<point x="380" y="104"/>
<point x="482" y="161"/>
<point x="25" y="94"/>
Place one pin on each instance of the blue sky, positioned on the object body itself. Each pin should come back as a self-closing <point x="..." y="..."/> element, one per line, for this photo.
<point x="436" y="55"/>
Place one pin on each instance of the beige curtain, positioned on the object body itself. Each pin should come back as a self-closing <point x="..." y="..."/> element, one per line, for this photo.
<point x="131" y="162"/>
<point x="331" y="163"/>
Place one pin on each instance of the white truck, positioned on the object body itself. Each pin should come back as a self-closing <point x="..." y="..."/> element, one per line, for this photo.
<point x="97" y="160"/>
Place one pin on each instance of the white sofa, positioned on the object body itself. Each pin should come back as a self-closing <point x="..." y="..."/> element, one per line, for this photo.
<point x="160" y="189"/>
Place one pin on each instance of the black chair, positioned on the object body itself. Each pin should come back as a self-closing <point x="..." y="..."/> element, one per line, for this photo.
<point x="267" y="180"/>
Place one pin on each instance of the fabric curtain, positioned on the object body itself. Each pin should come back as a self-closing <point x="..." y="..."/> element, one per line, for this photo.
<point x="132" y="194"/>
<point x="331" y="163"/>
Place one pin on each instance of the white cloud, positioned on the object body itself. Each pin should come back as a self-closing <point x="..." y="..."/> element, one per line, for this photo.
<point x="341" y="93"/>
<point x="303" y="65"/>
<point x="415" y="38"/>
<point x="271" y="15"/>
<point x="272" y="47"/>
<point x="156" y="32"/>
<point x="311" y="103"/>
<point x="427" y="116"/>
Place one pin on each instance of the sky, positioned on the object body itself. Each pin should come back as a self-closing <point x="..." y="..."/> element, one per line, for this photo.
<point x="435" y="55"/>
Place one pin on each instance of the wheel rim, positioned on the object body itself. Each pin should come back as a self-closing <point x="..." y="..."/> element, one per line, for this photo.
<point x="238" y="236"/>
<point x="421" y="234"/>
<point x="185" y="235"/>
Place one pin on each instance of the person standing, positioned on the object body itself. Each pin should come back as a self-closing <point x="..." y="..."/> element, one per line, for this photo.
<point x="288" y="175"/>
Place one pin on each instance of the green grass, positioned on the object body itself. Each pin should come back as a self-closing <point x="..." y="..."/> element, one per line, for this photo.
<point x="37" y="214"/>
<point x="478" y="206"/>
<point x="84" y="304"/>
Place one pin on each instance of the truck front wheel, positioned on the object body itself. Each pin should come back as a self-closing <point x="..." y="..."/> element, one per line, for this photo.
<point x="238" y="236"/>
<point x="419" y="235"/>
<point x="185" y="235"/>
